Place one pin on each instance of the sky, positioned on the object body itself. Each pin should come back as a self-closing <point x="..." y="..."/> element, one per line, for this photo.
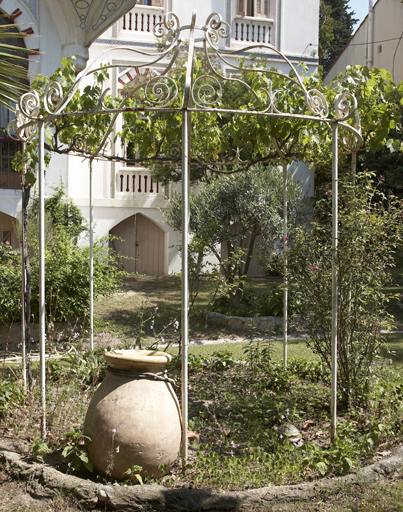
<point x="360" y="7"/>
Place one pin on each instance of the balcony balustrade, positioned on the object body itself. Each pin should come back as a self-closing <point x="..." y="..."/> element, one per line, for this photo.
<point x="138" y="182"/>
<point x="252" y="30"/>
<point x="141" y="20"/>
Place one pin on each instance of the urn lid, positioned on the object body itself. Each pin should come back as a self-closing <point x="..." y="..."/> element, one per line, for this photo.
<point x="138" y="360"/>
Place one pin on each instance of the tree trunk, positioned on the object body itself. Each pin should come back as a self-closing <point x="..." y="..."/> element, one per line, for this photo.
<point x="244" y="271"/>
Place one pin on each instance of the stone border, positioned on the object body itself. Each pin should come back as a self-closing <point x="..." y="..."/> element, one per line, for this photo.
<point x="243" y="323"/>
<point x="44" y="482"/>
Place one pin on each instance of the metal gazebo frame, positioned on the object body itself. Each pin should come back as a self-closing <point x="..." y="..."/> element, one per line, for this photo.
<point x="200" y="94"/>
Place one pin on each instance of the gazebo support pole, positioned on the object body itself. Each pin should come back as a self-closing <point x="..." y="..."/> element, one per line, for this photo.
<point x="285" y="244"/>
<point x="335" y="234"/>
<point x="186" y="145"/>
<point x="91" y="262"/>
<point x="23" y="347"/>
<point x="354" y="165"/>
<point x="41" y="186"/>
<point x="186" y="128"/>
<point x="23" y="287"/>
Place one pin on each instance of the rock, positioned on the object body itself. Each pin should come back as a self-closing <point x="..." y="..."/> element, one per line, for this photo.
<point x="290" y="432"/>
<point x="193" y="437"/>
<point x="240" y="323"/>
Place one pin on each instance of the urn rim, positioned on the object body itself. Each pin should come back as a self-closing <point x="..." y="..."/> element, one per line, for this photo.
<point x="137" y="359"/>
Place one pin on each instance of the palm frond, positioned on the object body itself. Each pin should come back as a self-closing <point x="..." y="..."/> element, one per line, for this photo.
<point x="14" y="77"/>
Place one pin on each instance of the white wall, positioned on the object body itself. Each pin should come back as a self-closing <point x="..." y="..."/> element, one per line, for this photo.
<point x="299" y="27"/>
<point x="387" y="51"/>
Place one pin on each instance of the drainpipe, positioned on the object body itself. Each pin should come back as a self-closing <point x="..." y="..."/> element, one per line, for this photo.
<point x="370" y="36"/>
<point x="278" y="26"/>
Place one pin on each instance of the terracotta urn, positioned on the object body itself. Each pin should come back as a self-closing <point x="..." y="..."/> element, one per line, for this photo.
<point x="134" y="416"/>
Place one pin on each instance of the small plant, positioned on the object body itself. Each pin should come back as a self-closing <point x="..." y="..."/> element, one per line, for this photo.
<point x="10" y="394"/>
<point x="257" y="351"/>
<point x="314" y="371"/>
<point x="253" y="304"/>
<point x="89" y="367"/>
<point x="218" y="361"/>
<point x="134" y="472"/>
<point x="75" y="451"/>
<point x="39" y="448"/>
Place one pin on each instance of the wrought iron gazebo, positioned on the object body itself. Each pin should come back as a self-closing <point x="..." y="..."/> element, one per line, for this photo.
<point x="201" y="92"/>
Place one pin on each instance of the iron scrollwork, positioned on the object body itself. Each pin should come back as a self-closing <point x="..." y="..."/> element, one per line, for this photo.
<point x="159" y="92"/>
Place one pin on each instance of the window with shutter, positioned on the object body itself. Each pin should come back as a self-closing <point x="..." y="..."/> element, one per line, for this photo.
<point x="153" y="3"/>
<point x="254" y="8"/>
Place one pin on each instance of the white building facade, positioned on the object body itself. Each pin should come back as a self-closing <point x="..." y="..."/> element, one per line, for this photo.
<point x="377" y="43"/>
<point x="128" y="203"/>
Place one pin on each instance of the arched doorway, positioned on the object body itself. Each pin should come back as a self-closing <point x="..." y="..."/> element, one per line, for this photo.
<point x="7" y="230"/>
<point x="140" y="242"/>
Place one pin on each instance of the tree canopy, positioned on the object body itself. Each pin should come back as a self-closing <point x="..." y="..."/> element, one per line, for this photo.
<point x="230" y="212"/>
<point x="336" y="22"/>
<point x="221" y="140"/>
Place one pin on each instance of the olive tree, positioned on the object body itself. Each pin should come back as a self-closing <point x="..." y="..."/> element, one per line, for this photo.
<point x="232" y="211"/>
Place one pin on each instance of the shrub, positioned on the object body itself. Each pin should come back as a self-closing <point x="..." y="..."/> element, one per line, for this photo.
<point x="369" y="230"/>
<point x="67" y="266"/>
<point x="10" y="283"/>
<point x="254" y="304"/>
<point x="67" y="274"/>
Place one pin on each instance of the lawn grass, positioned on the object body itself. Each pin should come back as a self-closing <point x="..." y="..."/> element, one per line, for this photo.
<point x="296" y="349"/>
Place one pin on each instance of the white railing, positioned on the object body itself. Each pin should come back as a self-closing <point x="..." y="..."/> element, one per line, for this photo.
<point x="246" y="29"/>
<point x="138" y="182"/>
<point x="141" y="20"/>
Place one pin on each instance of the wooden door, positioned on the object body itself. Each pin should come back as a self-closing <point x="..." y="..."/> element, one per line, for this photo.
<point x="141" y="245"/>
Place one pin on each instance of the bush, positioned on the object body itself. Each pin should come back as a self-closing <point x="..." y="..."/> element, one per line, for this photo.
<point x="254" y="304"/>
<point x="67" y="274"/>
<point x="67" y="266"/>
<point x="10" y="283"/>
<point x="370" y="229"/>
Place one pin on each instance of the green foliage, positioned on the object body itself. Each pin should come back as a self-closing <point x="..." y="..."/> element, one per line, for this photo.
<point x="11" y="394"/>
<point x="13" y="63"/>
<point x="67" y="267"/>
<point x="230" y="212"/>
<point x="10" y="283"/>
<point x="254" y="304"/>
<point x="369" y="231"/>
<point x="39" y="448"/>
<point x="89" y="368"/>
<point x="221" y="141"/>
<point x="62" y="213"/>
<point x="80" y="134"/>
<point x="257" y="351"/>
<point x="217" y="361"/>
<point x="75" y="451"/>
<point x="313" y="371"/>
<point x="336" y="23"/>
<point x="134" y="473"/>
<point x="379" y="105"/>
<point x="68" y="277"/>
